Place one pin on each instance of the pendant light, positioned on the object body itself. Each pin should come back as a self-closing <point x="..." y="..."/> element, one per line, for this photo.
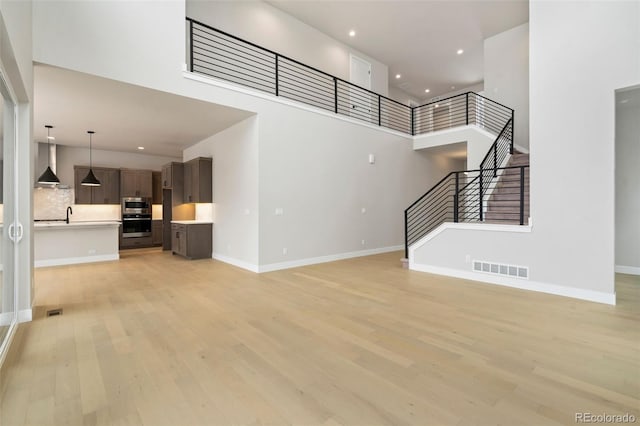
<point x="91" y="179"/>
<point x="48" y="176"/>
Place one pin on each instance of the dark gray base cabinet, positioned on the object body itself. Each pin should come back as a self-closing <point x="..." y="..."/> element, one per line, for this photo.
<point x="192" y="241"/>
<point x="156" y="232"/>
<point x="140" y="242"/>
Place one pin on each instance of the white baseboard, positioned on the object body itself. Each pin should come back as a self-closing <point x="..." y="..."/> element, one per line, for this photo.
<point x="576" y="293"/>
<point x="235" y="262"/>
<point x="302" y="262"/>
<point x="5" y="318"/>
<point x="76" y="260"/>
<point x="25" y="315"/>
<point x="631" y="270"/>
<point x="323" y="259"/>
<point x="521" y="149"/>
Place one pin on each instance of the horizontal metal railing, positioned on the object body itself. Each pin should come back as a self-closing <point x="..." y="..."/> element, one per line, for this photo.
<point x="221" y="55"/>
<point x="470" y="196"/>
<point x="224" y="56"/>
<point x="460" y="110"/>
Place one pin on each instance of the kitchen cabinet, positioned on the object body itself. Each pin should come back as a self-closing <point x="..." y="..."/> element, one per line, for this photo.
<point x="136" y="183"/>
<point x="170" y="174"/>
<point x="138" y="242"/>
<point x="156" y="181"/>
<point x="107" y="193"/>
<point x="197" y="180"/>
<point x="192" y="241"/>
<point x="156" y="232"/>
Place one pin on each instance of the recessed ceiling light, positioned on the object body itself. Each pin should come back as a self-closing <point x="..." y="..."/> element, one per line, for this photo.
<point x="51" y="138"/>
<point x="453" y="87"/>
<point x="460" y="52"/>
<point x="426" y="90"/>
<point x="398" y="76"/>
<point x="141" y="148"/>
<point x="624" y="101"/>
<point x="352" y="33"/>
<point x="437" y="105"/>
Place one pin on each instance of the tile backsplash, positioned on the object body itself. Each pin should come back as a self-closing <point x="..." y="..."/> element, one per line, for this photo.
<point x="52" y="203"/>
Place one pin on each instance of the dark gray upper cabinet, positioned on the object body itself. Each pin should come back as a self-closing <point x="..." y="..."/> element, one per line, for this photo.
<point x="156" y="178"/>
<point x="107" y="193"/>
<point x="198" y="180"/>
<point x="169" y="173"/>
<point x="136" y="183"/>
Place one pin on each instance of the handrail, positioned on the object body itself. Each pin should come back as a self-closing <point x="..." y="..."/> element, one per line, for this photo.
<point x="495" y="143"/>
<point x="219" y="54"/>
<point x="463" y="196"/>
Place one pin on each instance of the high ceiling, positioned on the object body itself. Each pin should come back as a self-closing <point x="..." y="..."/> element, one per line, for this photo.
<point x="123" y="116"/>
<point x="417" y="39"/>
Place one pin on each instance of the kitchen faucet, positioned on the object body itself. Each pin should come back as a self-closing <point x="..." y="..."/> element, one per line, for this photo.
<point x="69" y="211"/>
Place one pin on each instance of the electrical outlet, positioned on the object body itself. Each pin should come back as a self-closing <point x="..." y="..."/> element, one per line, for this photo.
<point x="284" y="250"/>
<point x="467" y="258"/>
<point x="279" y="211"/>
<point x="363" y="210"/>
<point x="247" y="211"/>
<point x="92" y="251"/>
<point x="362" y="242"/>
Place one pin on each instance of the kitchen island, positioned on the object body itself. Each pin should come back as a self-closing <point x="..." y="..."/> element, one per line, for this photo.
<point x="61" y="243"/>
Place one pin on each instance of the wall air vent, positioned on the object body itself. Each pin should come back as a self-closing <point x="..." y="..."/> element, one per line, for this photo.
<point x="493" y="268"/>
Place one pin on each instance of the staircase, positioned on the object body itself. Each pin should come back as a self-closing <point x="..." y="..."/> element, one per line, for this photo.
<point x="496" y="192"/>
<point x="504" y="203"/>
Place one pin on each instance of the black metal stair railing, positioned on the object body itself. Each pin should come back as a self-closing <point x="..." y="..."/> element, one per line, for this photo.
<point x="465" y="196"/>
<point x="224" y="56"/>
<point x="461" y="110"/>
<point x="221" y="55"/>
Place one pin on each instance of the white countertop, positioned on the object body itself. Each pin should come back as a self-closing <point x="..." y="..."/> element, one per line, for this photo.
<point x="191" y="222"/>
<point x="63" y="225"/>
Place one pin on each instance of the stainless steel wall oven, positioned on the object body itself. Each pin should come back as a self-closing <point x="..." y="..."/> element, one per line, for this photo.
<point x="136" y="217"/>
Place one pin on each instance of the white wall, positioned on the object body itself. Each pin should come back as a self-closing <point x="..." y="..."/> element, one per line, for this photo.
<point x="477" y="88"/>
<point x="267" y="26"/>
<point x="477" y="141"/>
<point x="138" y="42"/>
<point x="571" y="245"/>
<point x="627" y="180"/>
<point x="403" y="97"/>
<point x="506" y="77"/>
<point x="69" y="156"/>
<point x="316" y="170"/>
<point x="235" y="191"/>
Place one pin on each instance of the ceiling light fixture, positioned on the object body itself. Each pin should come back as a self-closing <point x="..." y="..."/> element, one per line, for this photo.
<point x="48" y="176"/>
<point x="352" y="33"/>
<point x="141" y="148"/>
<point x="398" y="76"/>
<point x="91" y="179"/>
<point x="426" y="90"/>
<point x="460" y="52"/>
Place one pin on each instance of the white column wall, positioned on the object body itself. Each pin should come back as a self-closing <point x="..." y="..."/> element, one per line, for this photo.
<point x="570" y="249"/>
<point x="235" y="191"/>
<point x="506" y="76"/>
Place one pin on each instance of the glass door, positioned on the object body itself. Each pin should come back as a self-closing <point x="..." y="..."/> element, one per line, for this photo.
<point x="11" y="233"/>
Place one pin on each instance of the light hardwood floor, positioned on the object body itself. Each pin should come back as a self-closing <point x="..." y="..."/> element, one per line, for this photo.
<point x="154" y="339"/>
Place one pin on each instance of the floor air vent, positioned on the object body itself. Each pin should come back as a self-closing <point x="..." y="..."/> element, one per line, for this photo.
<point x="501" y="269"/>
<point x="54" y="312"/>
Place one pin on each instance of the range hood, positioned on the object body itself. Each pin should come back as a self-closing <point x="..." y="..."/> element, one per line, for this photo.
<point x="53" y="164"/>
